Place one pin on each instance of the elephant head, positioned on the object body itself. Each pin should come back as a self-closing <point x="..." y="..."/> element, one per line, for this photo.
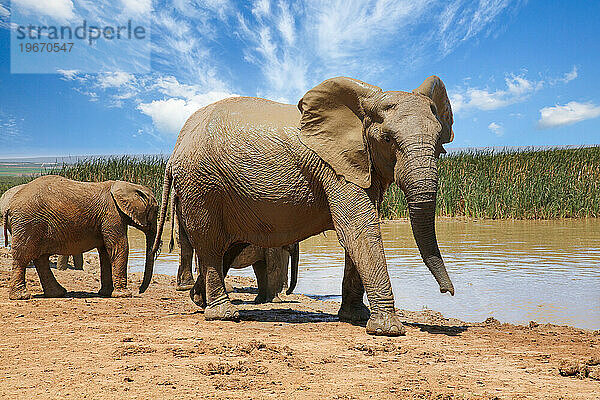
<point x="373" y="138"/>
<point x="139" y="205"/>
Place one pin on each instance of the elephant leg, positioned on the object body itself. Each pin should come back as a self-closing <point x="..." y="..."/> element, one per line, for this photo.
<point x="51" y="287"/>
<point x="78" y="261"/>
<point x="62" y="263"/>
<point x="352" y="308"/>
<point x="356" y="223"/>
<point x="17" y="289"/>
<point x="260" y="270"/>
<point x="277" y="262"/>
<point x="230" y="255"/>
<point x="198" y="291"/>
<point x="185" y="278"/>
<point x="106" y="280"/>
<point x="219" y="305"/>
<point x="119" y="253"/>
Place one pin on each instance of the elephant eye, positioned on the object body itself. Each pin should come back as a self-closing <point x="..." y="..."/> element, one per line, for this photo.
<point x="387" y="138"/>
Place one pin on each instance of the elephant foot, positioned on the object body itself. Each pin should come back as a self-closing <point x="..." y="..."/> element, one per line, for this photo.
<point x="197" y="298"/>
<point x="19" y="294"/>
<point x="224" y="311"/>
<point x="105" y="291"/>
<point x="119" y="293"/>
<point x="58" y="291"/>
<point x="385" y="324"/>
<point x="276" y="299"/>
<point x="354" y="312"/>
<point x="182" y="287"/>
<point x="260" y="299"/>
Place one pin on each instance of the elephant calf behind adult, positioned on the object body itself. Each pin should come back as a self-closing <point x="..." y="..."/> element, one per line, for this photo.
<point x="55" y="215"/>
<point x="270" y="264"/>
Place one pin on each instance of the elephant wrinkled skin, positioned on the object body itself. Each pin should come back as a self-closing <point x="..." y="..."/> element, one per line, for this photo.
<point x="63" y="261"/>
<point x="55" y="215"/>
<point x="250" y="170"/>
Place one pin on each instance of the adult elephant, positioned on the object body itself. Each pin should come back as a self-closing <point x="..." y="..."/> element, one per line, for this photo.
<point x="55" y="215"/>
<point x="249" y="170"/>
<point x="270" y="264"/>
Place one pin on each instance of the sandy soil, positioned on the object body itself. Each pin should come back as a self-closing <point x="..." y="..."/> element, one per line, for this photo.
<point x="158" y="345"/>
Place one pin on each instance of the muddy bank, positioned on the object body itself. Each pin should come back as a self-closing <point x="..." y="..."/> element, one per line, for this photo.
<point x="158" y="346"/>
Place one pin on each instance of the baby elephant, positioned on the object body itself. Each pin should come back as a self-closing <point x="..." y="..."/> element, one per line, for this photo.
<point x="55" y="215"/>
<point x="63" y="261"/>
<point x="270" y="267"/>
<point x="270" y="264"/>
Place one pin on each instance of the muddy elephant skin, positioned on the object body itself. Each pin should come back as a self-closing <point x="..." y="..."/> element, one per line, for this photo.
<point x="250" y="170"/>
<point x="63" y="261"/>
<point x="55" y="215"/>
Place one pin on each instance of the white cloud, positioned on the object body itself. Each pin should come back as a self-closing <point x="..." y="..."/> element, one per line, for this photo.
<point x="569" y="76"/>
<point x="518" y="89"/>
<point x="286" y="24"/>
<point x="169" y="115"/>
<point x="61" y="10"/>
<point x="261" y="7"/>
<point x="283" y="64"/>
<point x="68" y="74"/>
<point x="496" y="128"/>
<point x="170" y="86"/>
<point x="570" y="113"/>
<point x="4" y="12"/>
<point x="136" y="7"/>
<point x="347" y="30"/>
<point x="114" y="79"/>
<point x="461" y="20"/>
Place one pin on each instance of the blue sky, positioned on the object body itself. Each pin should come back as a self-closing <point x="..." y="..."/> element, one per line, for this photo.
<point x="519" y="73"/>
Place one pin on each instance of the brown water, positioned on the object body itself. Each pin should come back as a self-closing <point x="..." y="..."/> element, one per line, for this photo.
<point x="515" y="271"/>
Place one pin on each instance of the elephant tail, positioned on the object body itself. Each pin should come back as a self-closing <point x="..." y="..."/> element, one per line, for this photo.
<point x="168" y="180"/>
<point x="172" y="240"/>
<point x="295" y="255"/>
<point x="5" y="222"/>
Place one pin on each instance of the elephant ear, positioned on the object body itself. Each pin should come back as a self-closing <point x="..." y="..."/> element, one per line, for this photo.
<point x="332" y="126"/>
<point x="434" y="88"/>
<point x="132" y="200"/>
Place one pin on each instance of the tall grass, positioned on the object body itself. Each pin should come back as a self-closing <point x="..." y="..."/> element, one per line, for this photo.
<point x="548" y="184"/>
<point x="146" y="170"/>
<point x="6" y="182"/>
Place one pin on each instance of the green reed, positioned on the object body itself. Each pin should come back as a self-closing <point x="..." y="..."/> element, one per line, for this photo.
<point x="145" y="170"/>
<point x="547" y="184"/>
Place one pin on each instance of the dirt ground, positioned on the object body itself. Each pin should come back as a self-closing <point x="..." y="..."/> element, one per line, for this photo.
<point x="158" y="345"/>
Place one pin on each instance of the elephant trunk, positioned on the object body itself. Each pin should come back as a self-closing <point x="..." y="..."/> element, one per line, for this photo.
<point x="149" y="264"/>
<point x="168" y="180"/>
<point x="419" y="183"/>
<point x="422" y="220"/>
<point x="295" y="255"/>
